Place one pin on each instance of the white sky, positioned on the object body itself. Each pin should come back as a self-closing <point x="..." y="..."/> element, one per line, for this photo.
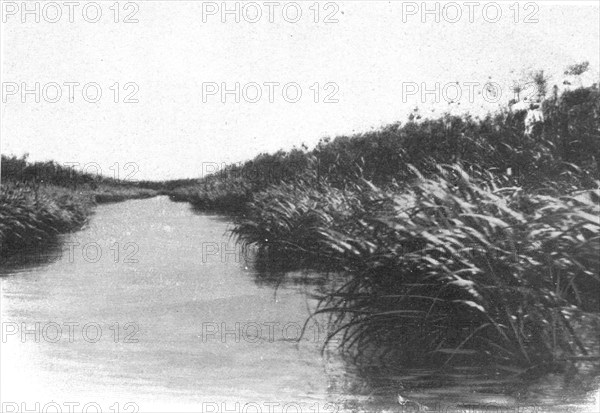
<point x="171" y="52"/>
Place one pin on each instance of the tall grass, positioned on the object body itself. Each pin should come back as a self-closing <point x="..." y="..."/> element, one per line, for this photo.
<point x="30" y="217"/>
<point x="494" y="256"/>
<point x="40" y="200"/>
<point x="562" y="150"/>
<point x="445" y="267"/>
<point x="224" y="196"/>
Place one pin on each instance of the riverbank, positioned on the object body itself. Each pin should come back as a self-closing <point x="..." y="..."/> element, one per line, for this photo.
<point x="447" y="269"/>
<point x="32" y="216"/>
<point x="224" y="324"/>
<point x="460" y="240"/>
<point x="40" y="200"/>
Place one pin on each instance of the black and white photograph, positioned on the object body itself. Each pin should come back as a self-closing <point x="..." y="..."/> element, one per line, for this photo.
<point x="299" y="206"/>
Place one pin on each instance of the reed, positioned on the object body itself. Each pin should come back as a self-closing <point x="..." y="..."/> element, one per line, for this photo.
<point x="494" y="256"/>
<point x="40" y="200"/>
<point x="447" y="267"/>
<point x="562" y="152"/>
<point x="33" y="216"/>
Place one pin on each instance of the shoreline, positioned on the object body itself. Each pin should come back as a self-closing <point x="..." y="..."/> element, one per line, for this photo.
<point x="34" y="217"/>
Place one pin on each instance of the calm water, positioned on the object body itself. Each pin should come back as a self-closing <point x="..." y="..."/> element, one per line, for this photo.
<point x="153" y="304"/>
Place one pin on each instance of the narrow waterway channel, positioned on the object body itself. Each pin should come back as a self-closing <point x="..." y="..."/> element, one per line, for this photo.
<point x="154" y="305"/>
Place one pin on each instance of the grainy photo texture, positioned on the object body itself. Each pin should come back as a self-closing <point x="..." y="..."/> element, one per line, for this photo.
<point x="299" y="206"/>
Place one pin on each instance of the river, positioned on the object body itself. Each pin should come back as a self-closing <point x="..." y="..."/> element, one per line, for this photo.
<point x="153" y="308"/>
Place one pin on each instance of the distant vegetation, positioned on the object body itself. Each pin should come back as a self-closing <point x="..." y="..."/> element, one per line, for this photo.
<point x="40" y="200"/>
<point x="455" y="239"/>
<point x="561" y="151"/>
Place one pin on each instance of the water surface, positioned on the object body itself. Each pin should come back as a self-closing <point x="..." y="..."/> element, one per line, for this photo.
<point x="187" y="325"/>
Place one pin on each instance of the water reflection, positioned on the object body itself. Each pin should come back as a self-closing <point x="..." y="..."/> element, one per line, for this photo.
<point x="194" y="312"/>
<point x="28" y="258"/>
<point x="197" y="309"/>
<point x="372" y="384"/>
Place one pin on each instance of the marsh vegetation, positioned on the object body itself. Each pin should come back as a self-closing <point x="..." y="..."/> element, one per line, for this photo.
<point x="453" y="240"/>
<point x="39" y="200"/>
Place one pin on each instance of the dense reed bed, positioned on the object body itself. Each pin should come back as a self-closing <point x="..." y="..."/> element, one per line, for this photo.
<point x="562" y="150"/>
<point x="40" y="200"/>
<point x="450" y="240"/>
<point x="30" y="217"/>
<point x="446" y="267"/>
<point x="224" y="196"/>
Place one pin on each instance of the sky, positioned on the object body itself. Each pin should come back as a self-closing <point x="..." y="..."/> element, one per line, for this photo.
<point x="170" y="61"/>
